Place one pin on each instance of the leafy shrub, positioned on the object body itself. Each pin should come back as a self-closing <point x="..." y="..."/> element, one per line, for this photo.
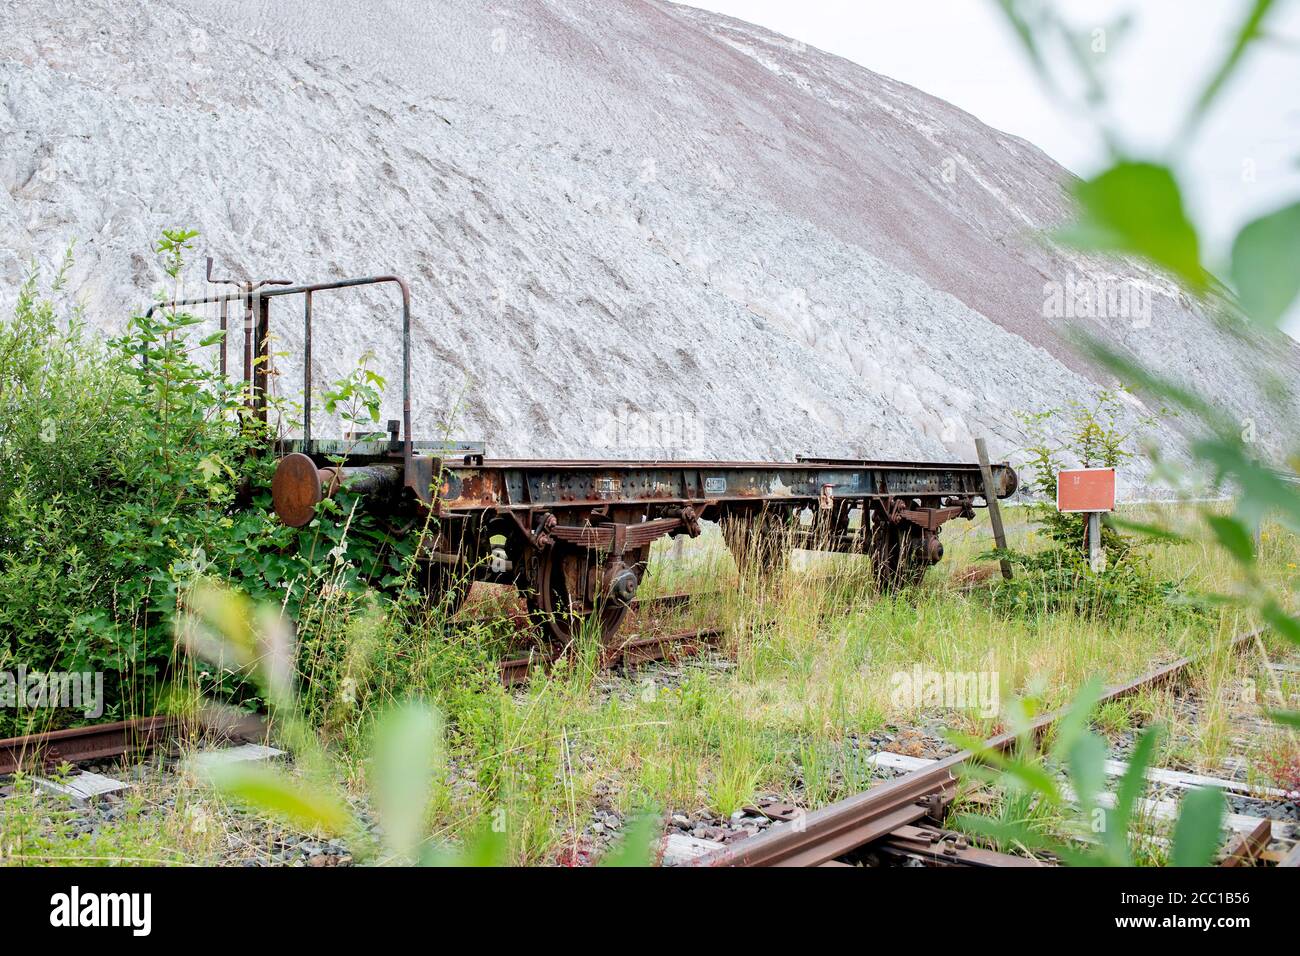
<point x="129" y="471"/>
<point x="1093" y="439"/>
<point x="1059" y="578"/>
<point x="65" y="443"/>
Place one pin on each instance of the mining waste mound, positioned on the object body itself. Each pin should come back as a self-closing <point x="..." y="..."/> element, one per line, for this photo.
<point x="631" y="228"/>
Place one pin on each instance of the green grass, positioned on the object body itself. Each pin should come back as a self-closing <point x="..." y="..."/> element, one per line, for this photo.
<point x="812" y="656"/>
<point x="804" y="669"/>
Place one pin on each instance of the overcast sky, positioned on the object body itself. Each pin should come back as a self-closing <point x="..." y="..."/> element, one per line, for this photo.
<point x="1245" y="161"/>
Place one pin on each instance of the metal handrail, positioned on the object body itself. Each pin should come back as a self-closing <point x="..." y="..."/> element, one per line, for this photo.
<point x="255" y="292"/>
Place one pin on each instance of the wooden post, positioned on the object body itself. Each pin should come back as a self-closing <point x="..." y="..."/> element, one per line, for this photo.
<point x="1096" y="554"/>
<point x="991" y="497"/>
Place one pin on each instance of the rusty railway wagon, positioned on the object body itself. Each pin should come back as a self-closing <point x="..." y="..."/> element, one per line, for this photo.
<point x="574" y="536"/>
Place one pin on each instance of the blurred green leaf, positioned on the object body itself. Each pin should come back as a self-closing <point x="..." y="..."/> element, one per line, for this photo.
<point x="1233" y="536"/>
<point x="1246" y="34"/>
<point x="485" y="848"/>
<point x="1140" y="378"/>
<point x="270" y="791"/>
<point x="1025" y="32"/>
<point x="1137" y="208"/>
<point x="1131" y="786"/>
<point x="1282" y="622"/>
<point x="1032" y="776"/>
<point x="1266" y="265"/>
<point x="1014" y="833"/>
<point x="1262" y="489"/>
<point x="1087" y="764"/>
<point x="637" y="848"/>
<point x="1023" y="771"/>
<point x="407" y="756"/>
<point x="1197" y="835"/>
<point x="1154" y="532"/>
<point x="1074" y="722"/>
<point x="1289" y="718"/>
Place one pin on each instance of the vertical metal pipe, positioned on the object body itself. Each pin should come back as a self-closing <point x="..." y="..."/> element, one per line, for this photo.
<point x="248" y="343"/>
<point x="408" y="450"/>
<point x="262" y="370"/>
<point x="225" y="333"/>
<point x="306" y="374"/>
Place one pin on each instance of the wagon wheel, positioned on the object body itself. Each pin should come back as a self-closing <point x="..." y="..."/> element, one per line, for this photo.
<point x="757" y="544"/>
<point x="445" y="586"/>
<point x="892" y="547"/>
<point x="564" y="576"/>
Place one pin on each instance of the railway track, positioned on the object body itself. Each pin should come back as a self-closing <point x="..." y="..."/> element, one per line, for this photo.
<point x="641" y="646"/>
<point x="904" y="816"/>
<point x="901" y="819"/>
<point x="638" y="649"/>
<point x="96" y="742"/>
<point x="80" y="744"/>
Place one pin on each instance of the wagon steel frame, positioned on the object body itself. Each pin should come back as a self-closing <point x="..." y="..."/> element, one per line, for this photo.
<point x="575" y="535"/>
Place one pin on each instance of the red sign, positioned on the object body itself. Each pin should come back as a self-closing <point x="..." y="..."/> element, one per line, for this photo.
<point x="1085" y="489"/>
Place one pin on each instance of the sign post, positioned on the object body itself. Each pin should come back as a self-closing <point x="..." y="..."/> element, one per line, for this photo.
<point x="991" y="499"/>
<point x="1088" y="491"/>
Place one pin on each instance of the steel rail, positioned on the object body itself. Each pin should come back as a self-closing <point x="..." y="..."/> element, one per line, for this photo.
<point x="942" y="848"/>
<point x="78" y="744"/>
<point x="103" y="741"/>
<point x="637" y="650"/>
<point x="1246" y="848"/>
<point x="823" y="835"/>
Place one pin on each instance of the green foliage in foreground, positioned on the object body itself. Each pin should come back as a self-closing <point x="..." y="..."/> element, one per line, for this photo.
<point x="1135" y="207"/>
<point x="128" y="472"/>
<point x="1103" y="827"/>
<point x="405" y="768"/>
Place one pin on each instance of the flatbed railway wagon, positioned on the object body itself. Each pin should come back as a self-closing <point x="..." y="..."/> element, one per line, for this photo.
<point x="574" y="536"/>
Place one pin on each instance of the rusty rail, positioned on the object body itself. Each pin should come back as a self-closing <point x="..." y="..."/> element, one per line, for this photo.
<point x="77" y="744"/>
<point x="1246" y="848"/>
<point x="637" y="650"/>
<point x="822" y="836"/>
<point x="945" y="848"/>
<point x="103" y="741"/>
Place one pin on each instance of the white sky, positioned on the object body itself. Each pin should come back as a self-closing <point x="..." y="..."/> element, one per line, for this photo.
<point x="964" y="52"/>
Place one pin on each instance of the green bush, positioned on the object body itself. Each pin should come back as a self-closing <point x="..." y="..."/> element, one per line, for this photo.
<point x="1058" y="578"/>
<point x="1094" y="439"/>
<point x="128" y="473"/>
<point x="65" y="442"/>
